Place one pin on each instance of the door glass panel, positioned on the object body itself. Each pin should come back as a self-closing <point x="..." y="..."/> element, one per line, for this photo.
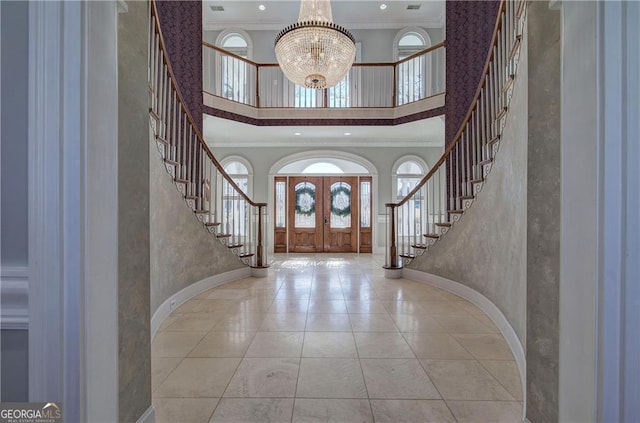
<point x="340" y="199"/>
<point x="365" y="204"/>
<point x="280" y="204"/>
<point x="305" y="205"/>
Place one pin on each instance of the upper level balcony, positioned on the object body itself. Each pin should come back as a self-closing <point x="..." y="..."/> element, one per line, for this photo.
<point x="385" y="91"/>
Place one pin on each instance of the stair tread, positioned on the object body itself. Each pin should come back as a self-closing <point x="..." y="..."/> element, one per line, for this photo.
<point x="420" y="246"/>
<point x="234" y="245"/>
<point x="494" y="139"/>
<point x="223" y="235"/>
<point x="408" y="255"/>
<point x="244" y="255"/>
<point x="446" y="224"/>
<point x="201" y="211"/>
<point x="436" y="236"/>
<point x="456" y="211"/>
<point x="477" y="181"/>
<point x="486" y="162"/>
<point x="172" y="162"/>
<point x="212" y="224"/>
<point x="181" y="181"/>
<point x="467" y="197"/>
<point x="508" y="84"/>
<point x="162" y="139"/>
<point x="191" y="197"/>
<point x="514" y="48"/>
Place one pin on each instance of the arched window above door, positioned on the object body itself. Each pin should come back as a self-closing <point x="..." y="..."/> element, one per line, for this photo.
<point x="323" y="166"/>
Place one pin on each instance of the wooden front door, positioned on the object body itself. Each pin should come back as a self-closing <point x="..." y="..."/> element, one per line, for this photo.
<point x="340" y="214"/>
<point x="305" y="214"/>
<point x="323" y="214"/>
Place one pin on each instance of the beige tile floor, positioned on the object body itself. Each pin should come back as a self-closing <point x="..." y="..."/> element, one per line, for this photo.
<point x="326" y="338"/>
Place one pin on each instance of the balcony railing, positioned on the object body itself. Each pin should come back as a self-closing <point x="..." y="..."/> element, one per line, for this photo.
<point x="438" y="201"/>
<point x="372" y="85"/>
<point x="215" y="197"/>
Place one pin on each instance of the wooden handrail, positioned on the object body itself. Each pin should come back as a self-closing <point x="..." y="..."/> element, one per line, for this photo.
<point x="228" y="53"/>
<point x="465" y="121"/>
<point x="421" y="52"/>
<point x="183" y="104"/>
<point x="441" y="44"/>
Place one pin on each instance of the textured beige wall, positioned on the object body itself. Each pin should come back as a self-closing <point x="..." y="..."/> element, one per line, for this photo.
<point x="543" y="212"/>
<point x="182" y="250"/>
<point x="134" y="319"/>
<point x="486" y="250"/>
<point x="507" y="246"/>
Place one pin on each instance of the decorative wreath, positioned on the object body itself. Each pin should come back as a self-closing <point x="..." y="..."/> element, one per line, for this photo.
<point x="305" y="200"/>
<point x="341" y="201"/>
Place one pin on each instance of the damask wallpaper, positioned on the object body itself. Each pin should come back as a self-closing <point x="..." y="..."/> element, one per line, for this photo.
<point x="469" y="28"/>
<point x="181" y="23"/>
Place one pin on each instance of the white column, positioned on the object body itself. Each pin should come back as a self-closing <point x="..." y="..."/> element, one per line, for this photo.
<point x="600" y="235"/>
<point x="73" y="208"/>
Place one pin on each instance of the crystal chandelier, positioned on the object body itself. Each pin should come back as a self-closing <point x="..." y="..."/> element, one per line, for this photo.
<point x="315" y="52"/>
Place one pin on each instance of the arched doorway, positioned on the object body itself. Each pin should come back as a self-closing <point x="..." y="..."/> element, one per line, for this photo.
<point x="323" y="202"/>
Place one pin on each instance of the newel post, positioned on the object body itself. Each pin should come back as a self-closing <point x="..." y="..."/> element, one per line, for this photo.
<point x="393" y="249"/>
<point x="259" y="252"/>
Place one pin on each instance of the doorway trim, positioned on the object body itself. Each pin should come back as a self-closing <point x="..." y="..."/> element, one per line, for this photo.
<point x="326" y="154"/>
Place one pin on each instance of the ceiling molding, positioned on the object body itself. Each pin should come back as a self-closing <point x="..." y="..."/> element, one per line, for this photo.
<point x="307" y="142"/>
<point x="351" y="14"/>
<point x="262" y="26"/>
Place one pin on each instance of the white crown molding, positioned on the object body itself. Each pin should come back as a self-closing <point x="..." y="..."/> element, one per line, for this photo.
<point x="14" y="288"/>
<point x="191" y="291"/>
<point x="277" y="26"/>
<point x="488" y="307"/>
<point x="324" y="143"/>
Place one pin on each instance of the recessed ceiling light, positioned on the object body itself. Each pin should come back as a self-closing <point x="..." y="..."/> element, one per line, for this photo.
<point x="296" y="133"/>
<point x="383" y="6"/>
<point x="347" y="133"/>
<point x="262" y="7"/>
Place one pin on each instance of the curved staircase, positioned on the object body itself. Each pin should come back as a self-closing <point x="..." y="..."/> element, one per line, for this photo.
<point x="216" y="200"/>
<point x="430" y="211"/>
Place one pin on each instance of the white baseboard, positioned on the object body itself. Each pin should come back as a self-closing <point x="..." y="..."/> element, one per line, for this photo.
<point x="149" y="416"/>
<point x="191" y="291"/>
<point x="14" y="306"/>
<point x="484" y="304"/>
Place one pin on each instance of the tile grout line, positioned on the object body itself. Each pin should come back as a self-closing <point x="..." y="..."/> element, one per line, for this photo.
<point x="326" y="275"/>
<point x="304" y="336"/>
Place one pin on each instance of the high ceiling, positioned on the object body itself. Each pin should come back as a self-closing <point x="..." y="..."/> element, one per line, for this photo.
<point x="352" y="14"/>
<point x="228" y="133"/>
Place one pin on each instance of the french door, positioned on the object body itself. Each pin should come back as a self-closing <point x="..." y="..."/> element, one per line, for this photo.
<point x="322" y="214"/>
